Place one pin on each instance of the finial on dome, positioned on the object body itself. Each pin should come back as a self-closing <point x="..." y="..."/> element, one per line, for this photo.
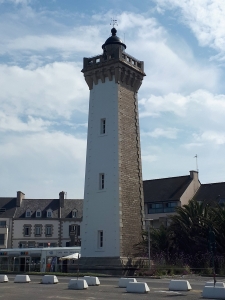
<point x="114" y="31"/>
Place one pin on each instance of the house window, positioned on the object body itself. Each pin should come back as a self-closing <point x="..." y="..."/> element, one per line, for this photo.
<point x="2" y="239"/>
<point x="101" y="181"/>
<point x="28" y="213"/>
<point x="2" y="224"/>
<point x="155" y="208"/>
<point x="100" y="239"/>
<point x="38" y="230"/>
<point x="74" y="229"/>
<point x="31" y="244"/>
<point x="38" y="213"/>
<point x="42" y="245"/>
<point x="103" y="126"/>
<point x="49" y="213"/>
<point x="74" y="213"/>
<point x="22" y="244"/>
<point x="27" y="230"/>
<point x="48" y="230"/>
<point x="170" y="207"/>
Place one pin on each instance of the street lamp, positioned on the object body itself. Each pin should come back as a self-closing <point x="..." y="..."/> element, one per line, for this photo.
<point x="149" y="243"/>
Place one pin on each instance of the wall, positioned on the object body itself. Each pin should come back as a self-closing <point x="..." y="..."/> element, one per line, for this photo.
<point x="65" y="230"/>
<point x="18" y="225"/>
<point x="101" y="208"/>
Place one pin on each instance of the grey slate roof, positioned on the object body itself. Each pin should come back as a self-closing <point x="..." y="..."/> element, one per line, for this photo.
<point x="10" y="207"/>
<point x="211" y="192"/>
<point x="71" y="204"/>
<point x="53" y="204"/>
<point x="35" y="204"/>
<point x="165" y="189"/>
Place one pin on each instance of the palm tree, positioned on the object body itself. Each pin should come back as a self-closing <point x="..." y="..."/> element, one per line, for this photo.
<point x="189" y="228"/>
<point x="218" y="218"/>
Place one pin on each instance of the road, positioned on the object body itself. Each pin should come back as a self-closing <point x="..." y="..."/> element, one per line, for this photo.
<point x="108" y="290"/>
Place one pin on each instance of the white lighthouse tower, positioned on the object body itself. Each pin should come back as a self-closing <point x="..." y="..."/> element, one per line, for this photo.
<point x="113" y="198"/>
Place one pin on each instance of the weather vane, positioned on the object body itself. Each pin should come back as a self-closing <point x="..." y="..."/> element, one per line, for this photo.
<point x="113" y="22"/>
<point x="196" y="156"/>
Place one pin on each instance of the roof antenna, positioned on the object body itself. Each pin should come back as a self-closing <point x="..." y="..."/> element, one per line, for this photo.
<point x="196" y="156"/>
<point x="114" y="22"/>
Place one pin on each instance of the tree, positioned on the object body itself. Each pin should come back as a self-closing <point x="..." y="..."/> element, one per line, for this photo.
<point x="189" y="228"/>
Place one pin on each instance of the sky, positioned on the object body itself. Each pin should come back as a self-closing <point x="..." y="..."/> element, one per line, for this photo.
<point x="44" y="97"/>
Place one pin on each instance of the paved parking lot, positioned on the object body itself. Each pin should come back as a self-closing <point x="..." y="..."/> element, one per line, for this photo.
<point x="108" y="290"/>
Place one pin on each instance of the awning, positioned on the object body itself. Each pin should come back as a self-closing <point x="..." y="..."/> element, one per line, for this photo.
<point x="71" y="256"/>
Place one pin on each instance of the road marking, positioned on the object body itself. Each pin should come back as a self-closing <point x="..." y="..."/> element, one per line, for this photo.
<point x="58" y="297"/>
<point x="168" y="292"/>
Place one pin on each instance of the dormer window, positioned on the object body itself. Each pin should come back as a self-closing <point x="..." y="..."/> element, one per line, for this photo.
<point x="74" y="213"/>
<point x="38" y="213"/>
<point x="28" y="213"/>
<point x="49" y="213"/>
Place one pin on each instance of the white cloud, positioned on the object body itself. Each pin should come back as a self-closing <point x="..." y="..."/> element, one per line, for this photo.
<point x="211" y="137"/>
<point x="170" y="133"/>
<point x="51" y="91"/>
<point x="204" y="17"/>
<point x="42" y="164"/>
<point x="13" y="123"/>
<point x="200" y="108"/>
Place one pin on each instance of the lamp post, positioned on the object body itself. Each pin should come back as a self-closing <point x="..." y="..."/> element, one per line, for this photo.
<point x="149" y="242"/>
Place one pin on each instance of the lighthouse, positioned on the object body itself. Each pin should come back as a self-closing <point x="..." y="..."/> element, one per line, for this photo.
<point x="113" y="213"/>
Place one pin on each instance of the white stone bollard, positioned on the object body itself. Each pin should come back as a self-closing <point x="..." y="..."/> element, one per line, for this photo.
<point x="137" y="287"/>
<point x="218" y="284"/>
<point x="179" y="285"/>
<point x="22" y="279"/>
<point x="91" y="280"/>
<point x="3" y="278"/>
<point x="123" y="282"/>
<point x="213" y="292"/>
<point x="77" y="284"/>
<point x="49" y="279"/>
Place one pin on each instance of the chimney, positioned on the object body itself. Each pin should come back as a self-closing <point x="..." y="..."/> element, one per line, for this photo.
<point x="62" y="198"/>
<point x="194" y="175"/>
<point x="195" y="180"/>
<point x="20" y="197"/>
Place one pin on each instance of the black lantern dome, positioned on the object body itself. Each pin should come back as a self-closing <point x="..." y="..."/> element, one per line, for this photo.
<point x="113" y="41"/>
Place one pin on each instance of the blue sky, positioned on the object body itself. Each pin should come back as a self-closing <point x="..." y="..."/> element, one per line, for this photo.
<point x="44" y="98"/>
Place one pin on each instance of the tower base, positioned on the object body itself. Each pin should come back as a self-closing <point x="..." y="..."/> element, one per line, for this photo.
<point x="107" y="265"/>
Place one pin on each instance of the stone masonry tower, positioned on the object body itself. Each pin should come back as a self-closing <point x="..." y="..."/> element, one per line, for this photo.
<point x="113" y="198"/>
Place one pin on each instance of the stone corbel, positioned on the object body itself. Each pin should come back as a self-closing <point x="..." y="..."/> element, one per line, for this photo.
<point x="128" y="77"/>
<point x="122" y="77"/>
<point x="95" y="78"/>
<point x="117" y="74"/>
<point x="102" y="76"/>
<point x="89" y="81"/>
<point x="110" y="75"/>
<point x="132" y="79"/>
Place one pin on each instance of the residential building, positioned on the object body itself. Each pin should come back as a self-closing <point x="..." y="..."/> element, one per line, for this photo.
<point x="40" y="222"/>
<point x="7" y="212"/>
<point x="162" y="196"/>
<point x="212" y="193"/>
